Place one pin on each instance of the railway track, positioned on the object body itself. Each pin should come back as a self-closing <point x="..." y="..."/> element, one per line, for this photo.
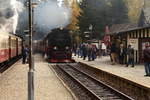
<point x="128" y="87"/>
<point x="87" y="87"/>
<point x="8" y="64"/>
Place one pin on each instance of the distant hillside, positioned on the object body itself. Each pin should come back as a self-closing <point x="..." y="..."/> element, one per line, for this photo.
<point x="134" y="9"/>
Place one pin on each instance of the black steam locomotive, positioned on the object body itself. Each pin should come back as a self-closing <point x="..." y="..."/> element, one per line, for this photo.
<point x="58" y="46"/>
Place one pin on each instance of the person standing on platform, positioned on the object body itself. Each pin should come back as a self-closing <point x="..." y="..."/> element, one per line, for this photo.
<point x="89" y="52"/>
<point x="113" y="53"/>
<point x="84" y="49"/>
<point x="121" y="54"/>
<point x="25" y="54"/>
<point x="130" y="54"/>
<point x="147" y="59"/>
<point x="78" y="51"/>
<point x="75" y="49"/>
<point x="94" y="51"/>
<point x="81" y="50"/>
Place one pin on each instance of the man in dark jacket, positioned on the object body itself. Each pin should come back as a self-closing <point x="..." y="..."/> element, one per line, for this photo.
<point x="121" y="54"/>
<point x="113" y="53"/>
<point x="25" y="54"/>
<point x="130" y="53"/>
<point x="84" y="49"/>
<point x="147" y="59"/>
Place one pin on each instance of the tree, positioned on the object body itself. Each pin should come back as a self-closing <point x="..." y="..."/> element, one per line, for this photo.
<point x="120" y="12"/>
<point x="75" y="13"/>
<point x="100" y="13"/>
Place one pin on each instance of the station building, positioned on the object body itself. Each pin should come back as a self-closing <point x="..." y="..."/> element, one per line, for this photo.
<point x="134" y="34"/>
<point x="130" y="34"/>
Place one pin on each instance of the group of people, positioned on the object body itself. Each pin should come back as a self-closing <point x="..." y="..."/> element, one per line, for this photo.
<point x="86" y="50"/>
<point x="119" y="54"/>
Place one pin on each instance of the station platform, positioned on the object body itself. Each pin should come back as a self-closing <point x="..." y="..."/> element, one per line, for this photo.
<point x="14" y="86"/>
<point x="135" y="74"/>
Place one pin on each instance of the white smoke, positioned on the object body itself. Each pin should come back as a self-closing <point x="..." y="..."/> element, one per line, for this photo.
<point x="9" y="10"/>
<point x="50" y="14"/>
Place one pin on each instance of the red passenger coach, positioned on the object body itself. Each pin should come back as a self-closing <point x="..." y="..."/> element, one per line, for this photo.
<point x="10" y="46"/>
<point x="4" y="47"/>
<point x="57" y="46"/>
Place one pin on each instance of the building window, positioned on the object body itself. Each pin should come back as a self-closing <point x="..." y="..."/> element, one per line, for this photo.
<point x="136" y="33"/>
<point x="148" y="32"/>
<point x="130" y="35"/>
<point x="144" y="35"/>
<point x="140" y="34"/>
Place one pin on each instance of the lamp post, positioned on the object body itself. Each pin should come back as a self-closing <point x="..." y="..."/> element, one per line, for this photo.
<point x="31" y="67"/>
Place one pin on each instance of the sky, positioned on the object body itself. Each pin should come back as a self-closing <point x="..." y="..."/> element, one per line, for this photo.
<point x="60" y="2"/>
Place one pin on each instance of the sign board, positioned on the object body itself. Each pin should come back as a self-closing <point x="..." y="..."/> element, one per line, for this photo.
<point x="103" y="46"/>
<point x="134" y="43"/>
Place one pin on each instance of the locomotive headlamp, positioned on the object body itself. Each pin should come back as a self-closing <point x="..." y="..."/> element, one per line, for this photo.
<point x="67" y="47"/>
<point x="55" y="48"/>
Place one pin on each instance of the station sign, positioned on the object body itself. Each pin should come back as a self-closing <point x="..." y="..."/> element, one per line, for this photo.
<point x="134" y="43"/>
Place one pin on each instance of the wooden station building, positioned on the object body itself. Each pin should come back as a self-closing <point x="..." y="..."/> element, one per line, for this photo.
<point x="137" y="35"/>
<point x="131" y="34"/>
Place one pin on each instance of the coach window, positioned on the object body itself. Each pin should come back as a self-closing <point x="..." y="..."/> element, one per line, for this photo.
<point x="0" y="45"/>
<point x="3" y="45"/>
<point x="19" y="43"/>
<point x="6" y="44"/>
<point x="12" y="43"/>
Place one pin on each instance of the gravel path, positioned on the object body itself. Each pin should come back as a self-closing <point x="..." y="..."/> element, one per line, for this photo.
<point x="13" y="83"/>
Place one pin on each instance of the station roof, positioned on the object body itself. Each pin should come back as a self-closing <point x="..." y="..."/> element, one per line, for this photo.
<point x="118" y="28"/>
<point x="143" y="22"/>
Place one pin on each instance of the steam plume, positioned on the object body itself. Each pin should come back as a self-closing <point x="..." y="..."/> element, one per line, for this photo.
<point x="50" y="15"/>
<point x="9" y="10"/>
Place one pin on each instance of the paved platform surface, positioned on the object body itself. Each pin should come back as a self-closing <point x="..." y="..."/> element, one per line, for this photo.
<point x="135" y="74"/>
<point x="13" y="83"/>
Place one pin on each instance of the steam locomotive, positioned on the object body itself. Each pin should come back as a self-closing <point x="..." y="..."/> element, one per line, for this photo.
<point x="57" y="46"/>
<point x="10" y="47"/>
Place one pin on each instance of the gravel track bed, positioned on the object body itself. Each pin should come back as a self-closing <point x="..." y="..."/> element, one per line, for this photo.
<point x="79" y="92"/>
<point x="103" y="92"/>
